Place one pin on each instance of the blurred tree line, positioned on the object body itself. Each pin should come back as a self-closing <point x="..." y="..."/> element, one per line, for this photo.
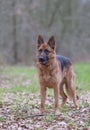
<point x="22" y="20"/>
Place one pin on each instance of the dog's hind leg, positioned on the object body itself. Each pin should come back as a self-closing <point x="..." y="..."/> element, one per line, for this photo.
<point x="71" y="89"/>
<point x="63" y="95"/>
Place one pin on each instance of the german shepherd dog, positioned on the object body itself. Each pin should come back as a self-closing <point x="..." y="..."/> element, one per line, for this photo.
<point x="54" y="71"/>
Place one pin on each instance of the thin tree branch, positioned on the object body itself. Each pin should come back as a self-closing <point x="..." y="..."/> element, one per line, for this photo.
<point x="58" y="3"/>
<point x="35" y="115"/>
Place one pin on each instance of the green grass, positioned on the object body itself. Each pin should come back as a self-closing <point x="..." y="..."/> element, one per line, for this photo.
<point x="19" y="79"/>
<point x="83" y="76"/>
<point x="2" y="119"/>
<point x="25" y="79"/>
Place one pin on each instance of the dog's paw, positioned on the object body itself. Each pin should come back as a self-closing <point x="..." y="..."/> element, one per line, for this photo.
<point x="42" y="110"/>
<point x="77" y="107"/>
<point x="57" y="112"/>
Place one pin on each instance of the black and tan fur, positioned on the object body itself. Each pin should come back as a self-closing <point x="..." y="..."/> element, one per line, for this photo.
<point x="54" y="72"/>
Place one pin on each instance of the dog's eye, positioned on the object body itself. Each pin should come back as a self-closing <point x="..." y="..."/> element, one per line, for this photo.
<point x="46" y="51"/>
<point x="40" y="50"/>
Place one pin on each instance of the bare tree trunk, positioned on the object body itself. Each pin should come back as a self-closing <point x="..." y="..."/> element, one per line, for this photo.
<point x="14" y="34"/>
<point x="57" y="6"/>
<point x="66" y="22"/>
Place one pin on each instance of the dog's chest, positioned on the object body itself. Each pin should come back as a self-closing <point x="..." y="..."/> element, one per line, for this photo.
<point x="50" y="77"/>
<point x="46" y="77"/>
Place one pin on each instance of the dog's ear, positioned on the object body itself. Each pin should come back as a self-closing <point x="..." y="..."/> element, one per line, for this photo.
<point x="51" y="42"/>
<point x="40" y="40"/>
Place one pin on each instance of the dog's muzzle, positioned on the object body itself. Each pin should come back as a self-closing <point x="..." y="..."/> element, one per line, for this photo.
<point x="43" y="60"/>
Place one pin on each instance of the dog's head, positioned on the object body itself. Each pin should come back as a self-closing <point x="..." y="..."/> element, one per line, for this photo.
<point x="46" y="51"/>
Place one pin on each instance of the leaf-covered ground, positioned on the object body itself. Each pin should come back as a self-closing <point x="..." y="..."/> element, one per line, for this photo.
<point x="21" y="112"/>
<point x="20" y="101"/>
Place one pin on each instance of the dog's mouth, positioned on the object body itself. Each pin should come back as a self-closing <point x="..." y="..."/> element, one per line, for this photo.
<point x="43" y="61"/>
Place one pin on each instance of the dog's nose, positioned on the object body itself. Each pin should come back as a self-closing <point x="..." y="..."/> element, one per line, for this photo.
<point x="41" y="59"/>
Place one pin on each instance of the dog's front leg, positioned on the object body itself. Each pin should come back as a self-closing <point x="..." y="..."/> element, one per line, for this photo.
<point x="56" y="96"/>
<point x="43" y="97"/>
